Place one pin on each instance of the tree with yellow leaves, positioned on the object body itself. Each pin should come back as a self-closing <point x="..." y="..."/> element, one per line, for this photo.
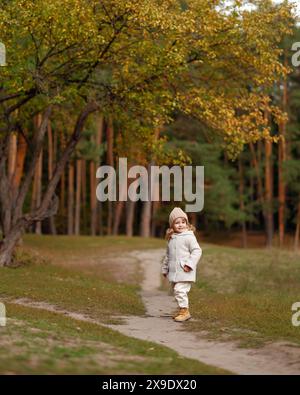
<point x="147" y="59"/>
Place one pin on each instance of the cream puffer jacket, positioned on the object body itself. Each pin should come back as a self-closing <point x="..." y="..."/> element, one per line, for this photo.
<point x="183" y="249"/>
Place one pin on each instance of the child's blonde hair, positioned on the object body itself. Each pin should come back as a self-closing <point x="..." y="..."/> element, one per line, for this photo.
<point x="170" y="231"/>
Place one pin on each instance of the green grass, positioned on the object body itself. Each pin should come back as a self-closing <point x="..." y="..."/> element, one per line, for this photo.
<point x="246" y="294"/>
<point x="82" y="245"/>
<point x="240" y="294"/>
<point x="71" y="288"/>
<point x="79" y="273"/>
<point x="41" y="342"/>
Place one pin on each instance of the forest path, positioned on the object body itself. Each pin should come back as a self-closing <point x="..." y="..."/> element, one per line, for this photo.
<point x="158" y="326"/>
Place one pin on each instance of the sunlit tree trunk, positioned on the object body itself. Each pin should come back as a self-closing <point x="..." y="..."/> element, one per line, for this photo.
<point x="78" y="195"/>
<point x="281" y="160"/>
<point x="120" y="203"/>
<point x="12" y="158"/>
<point x="242" y="203"/>
<point x="193" y="219"/>
<point x="37" y="182"/>
<point x="84" y="202"/>
<point x="118" y="213"/>
<point x="63" y="180"/>
<point x="146" y="219"/>
<point x="21" y="154"/>
<point x="71" y="199"/>
<point x="62" y="193"/>
<point x="130" y="206"/>
<point x="260" y="191"/>
<point x="130" y="210"/>
<point x="50" y="171"/>
<point x="251" y="196"/>
<point x="110" y="162"/>
<point x="93" y="198"/>
<point x="269" y="192"/>
<point x="155" y="207"/>
<point x="99" y="205"/>
<point x="145" y="228"/>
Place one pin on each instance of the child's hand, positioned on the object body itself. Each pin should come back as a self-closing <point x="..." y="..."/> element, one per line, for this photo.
<point x="187" y="268"/>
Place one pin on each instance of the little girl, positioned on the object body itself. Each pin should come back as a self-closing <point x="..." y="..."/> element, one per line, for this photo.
<point x="180" y="263"/>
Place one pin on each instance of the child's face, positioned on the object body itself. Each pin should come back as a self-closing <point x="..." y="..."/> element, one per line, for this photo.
<point x="180" y="225"/>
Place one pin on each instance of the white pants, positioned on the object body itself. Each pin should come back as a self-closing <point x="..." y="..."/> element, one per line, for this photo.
<point x="181" y="290"/>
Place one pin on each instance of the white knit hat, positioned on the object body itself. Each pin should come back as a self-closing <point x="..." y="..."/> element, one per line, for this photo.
<point x="177" y="213"/>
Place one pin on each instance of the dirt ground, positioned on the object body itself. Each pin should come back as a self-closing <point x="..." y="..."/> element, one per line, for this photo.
<point x="158" y="326"/>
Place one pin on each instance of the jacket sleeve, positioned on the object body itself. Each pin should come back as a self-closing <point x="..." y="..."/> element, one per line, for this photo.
<point x="195" y="254"/>
<point x="165" y="263"/>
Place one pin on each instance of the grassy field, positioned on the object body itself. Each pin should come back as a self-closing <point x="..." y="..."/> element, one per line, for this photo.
<point x="240" y="294"/>
<point x="83" y="274"/>
<point x="246" y="294"/>
<point x="77" y="274"/>
<point x="42" y="342"/>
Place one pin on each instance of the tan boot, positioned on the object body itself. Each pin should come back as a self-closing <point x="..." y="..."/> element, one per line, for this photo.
<point x="175" y="313"/>
<point x="183" y="315"/>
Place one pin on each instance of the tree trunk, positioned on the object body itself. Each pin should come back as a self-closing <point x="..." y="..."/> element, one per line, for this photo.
<point x="7" y="246"/>
<point x="281" y="160"/>
<point x="242" y="204"/>
<point x="155" y="207"/>
<point x="260" y="192"/>
<point x="193" y="219"/>
<point x="297" y="233"/>
<point x="145" y="227"/>
<point x="63" y="176"/>
<point x="130" y="206"/>
<point x="281" y="191"/>
<point x="38" y="227"/>
<point x="84" y="203"/>
<point x="269" y="193"/>
<point x="110" y="162"/>
<point x="99" y="137"/>
<point x="78" y="195"/>
<point x="119" y="205"/>
<point x="50" y="171"/>
<point x="37" y="182"/>
<point x="62" y="193"/>
<point x="12" y="159"/>
<point x="118" y="214"/>
<point x="71" y="199"/>
<point x="21" y="153"/>
<point x="13" y="220"/>
<point x="93" y="198"/>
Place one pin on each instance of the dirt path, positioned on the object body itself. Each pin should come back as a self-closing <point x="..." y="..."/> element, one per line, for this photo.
<point x="158" y="326"/>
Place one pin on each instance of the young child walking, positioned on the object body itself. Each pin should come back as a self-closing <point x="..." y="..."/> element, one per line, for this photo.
<point x="180" y="262"/>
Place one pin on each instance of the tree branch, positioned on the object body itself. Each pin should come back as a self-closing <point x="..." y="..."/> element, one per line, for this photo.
<point x="38" y="145"/>
<point x="48" y="195"/>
